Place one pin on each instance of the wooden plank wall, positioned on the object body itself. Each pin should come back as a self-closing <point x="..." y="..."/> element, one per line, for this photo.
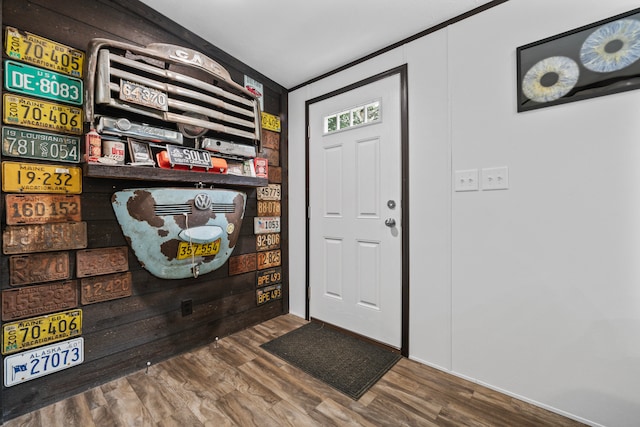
<point x="122" y="335"/>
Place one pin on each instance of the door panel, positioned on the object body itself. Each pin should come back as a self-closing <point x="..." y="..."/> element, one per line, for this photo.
<point x="355" y="268"/>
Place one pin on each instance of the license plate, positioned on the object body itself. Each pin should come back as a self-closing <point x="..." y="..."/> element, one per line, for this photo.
<point x="268" y="208"/>
<point x="35" y="113"/>
<point x="189" y="157"/>
<point x="266" y="242"/>
<point x="28" y="365"/>
<point x="42" y="208"/>
<point x="270" y="122"/>
<point x="32" y="301"/>
<point x="105" y="288"/>
<point x="95" y="262"/>
<point x="31" y="144"/>
<point x="268" y="277"/>
<point x="38" y="268"/>
<point x="269" y="259"/>
<point x="143" y="95"/>
<point x="41" y="178"/>
<point x="242" y="264"/>
<point x="29" y="80"/>
<point x="269" y="293"/>
<point x="266" y="224"/>
<point x="187" y="250"/>
<point x="270" y="192"/>
<point x="29" y="333"/>
<point x="23" y="239"/>
<point x="36" y="50"/>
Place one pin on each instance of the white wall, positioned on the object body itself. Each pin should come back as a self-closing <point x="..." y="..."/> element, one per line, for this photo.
<point x="535" y="290"/>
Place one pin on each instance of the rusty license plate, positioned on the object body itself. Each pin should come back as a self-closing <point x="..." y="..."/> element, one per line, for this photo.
<point x="268" y="208"/>
<point x="268" y="277"/>
<point x="39" y="114"/>
<point x="269" y="259"/>
<point x="37" y="331"/>
<point x="270" y="192"/>
<point x="31" y="144"/>
<point x="96" y="262"/>
<point x="41" y="178"/>
<point x="242" y="264"/>
<point x="266" y="224"/>
<point x="36" y="300"/>
<point x="36" y="50"/>
<point x="38" y="268"/>
<point x="267" y="242"/>
<point x="143" y="95"/>
<point x="105" y="288"/>
<point x="269" y="293"/>
<point x="22" y="239"/>
<point x="42" y="208"/>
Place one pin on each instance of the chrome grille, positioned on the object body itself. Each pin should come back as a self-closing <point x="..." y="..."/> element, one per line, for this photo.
<point x="213" y="104"/>
<point x="186" y="208"/>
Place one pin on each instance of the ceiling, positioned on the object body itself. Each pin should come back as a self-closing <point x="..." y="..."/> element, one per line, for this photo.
<point x="294" y="41"/>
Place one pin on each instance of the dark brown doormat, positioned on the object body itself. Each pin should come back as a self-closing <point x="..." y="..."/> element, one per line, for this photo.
<point x="347" y="364"/>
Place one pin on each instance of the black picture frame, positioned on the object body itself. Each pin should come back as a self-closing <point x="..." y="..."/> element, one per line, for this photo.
<point x="140" y="152"/>
<point x="594" y="60"/>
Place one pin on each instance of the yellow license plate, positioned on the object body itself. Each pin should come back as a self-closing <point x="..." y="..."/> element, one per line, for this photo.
<point x="35" y="113"/>
<point x="187" y="250"/>
<point x="43" y="52"/>
<point x="270" y="122"/>
<point x="37" y="331"/>
<point x="41" y="178"/>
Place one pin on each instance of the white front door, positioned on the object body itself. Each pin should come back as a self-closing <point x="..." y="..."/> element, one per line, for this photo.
<point x="355" y="269"/>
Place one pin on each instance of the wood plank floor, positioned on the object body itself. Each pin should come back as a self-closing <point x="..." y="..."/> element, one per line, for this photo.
<point x="236" y="383"/>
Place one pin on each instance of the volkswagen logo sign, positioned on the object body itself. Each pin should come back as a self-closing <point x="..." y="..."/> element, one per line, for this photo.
<point x="202" y="202"/>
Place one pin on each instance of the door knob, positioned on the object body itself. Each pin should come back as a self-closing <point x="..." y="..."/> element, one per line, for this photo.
<point x="390" y="222"/>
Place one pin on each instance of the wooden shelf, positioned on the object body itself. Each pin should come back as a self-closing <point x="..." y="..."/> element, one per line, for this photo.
<point x="142" y="173"/>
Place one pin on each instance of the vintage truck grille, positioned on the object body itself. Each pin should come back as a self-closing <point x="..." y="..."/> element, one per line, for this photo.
<point x="174" y="86"/>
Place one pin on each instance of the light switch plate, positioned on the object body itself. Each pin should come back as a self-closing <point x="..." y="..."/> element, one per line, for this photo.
<point x="466" y="180"/>
<point x="495" y="178"/>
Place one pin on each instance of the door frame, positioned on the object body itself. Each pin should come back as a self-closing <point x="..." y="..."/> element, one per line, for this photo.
<point x="402" y="71"/>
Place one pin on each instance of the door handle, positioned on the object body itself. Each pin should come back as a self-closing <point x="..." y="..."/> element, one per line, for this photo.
<point x="390" y="222"/>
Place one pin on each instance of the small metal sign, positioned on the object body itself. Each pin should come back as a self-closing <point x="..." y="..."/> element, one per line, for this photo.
<point x="37" y="300"/>
<point x="268" y="277"/>
<point x="38" y="268"/>
<point x="266" y="224"/>
<point x="39" y="114"/>
<point x="23" y="239"/>
<point x="28" y="47"/>
<point x="269" y="259"/>
<point x="270" y="192"/>
<point x="34" y="332"/>
<point x="242" y="264"/>
<point x="266" y="242"/>
<point x="28" y="365"/>
<point x="29" y="80"/>
<point x="42" y="208"/>
<point x="189" y="157"/>
<point x="41" y="178"/>
<point x="268" y="208"/>
<point x="96" y="262"/>
<point x="31" y="144"/>
<point x="270" y="122"/>
<point x="269" y="293"/>
<point x="105" y="288"/>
